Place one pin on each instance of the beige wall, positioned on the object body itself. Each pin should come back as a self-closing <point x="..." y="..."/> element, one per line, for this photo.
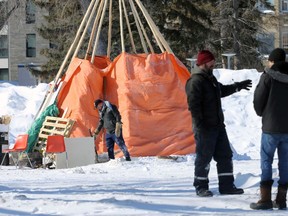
<point x="17" y="41"/>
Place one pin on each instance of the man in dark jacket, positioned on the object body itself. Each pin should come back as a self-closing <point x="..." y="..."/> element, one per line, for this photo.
<point x="271" y="103"/>
<point x="110" y="119"/>
<point x="204" y="94"/>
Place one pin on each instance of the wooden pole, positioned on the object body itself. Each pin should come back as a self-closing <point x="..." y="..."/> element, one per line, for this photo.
<point x="135" y="14"/>
<point x="129" y="28"/>
<point x="121" y="27"/>
<point x="154" y="27"/>
<point x="92" y="37"/>
<point x="85" y="30"/>
<point x="98" y="32"/>
<point x="59" y="73"/>
<point x="109" y="30"/>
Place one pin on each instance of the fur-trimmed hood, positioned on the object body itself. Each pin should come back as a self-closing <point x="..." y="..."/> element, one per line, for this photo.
<point x="279" y="71"/>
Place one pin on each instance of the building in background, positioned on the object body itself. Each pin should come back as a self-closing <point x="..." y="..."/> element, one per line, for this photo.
<point x="276" y="27"/>
<point x="4" y="71"/>
<point x="25" y="44"/>
<point x="20" y="44"/>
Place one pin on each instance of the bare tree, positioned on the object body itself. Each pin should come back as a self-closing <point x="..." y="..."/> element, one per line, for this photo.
<point x="6" y="11"/>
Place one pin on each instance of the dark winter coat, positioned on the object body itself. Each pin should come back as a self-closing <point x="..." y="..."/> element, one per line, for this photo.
<point x="109" y="115"/>
<point x="271" y="98"/>
<point x="204" y="94"/>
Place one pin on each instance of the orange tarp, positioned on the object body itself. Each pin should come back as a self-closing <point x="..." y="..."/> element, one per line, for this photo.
<point x="149" y="91"/>
<point x="82" y="83"/>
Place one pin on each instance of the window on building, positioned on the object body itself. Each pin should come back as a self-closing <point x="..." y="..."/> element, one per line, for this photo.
<point x="262" y="8"/>
<point x="30" y="45"/>
<point x="284" y="5"/>
<point x="52" y="45"/>
<point x="30" y="12"/>
<point x="3" y="46"/>
<point x="284" y="41"/>
<point x="266" y="43"/>
<point x="4" y="74"/>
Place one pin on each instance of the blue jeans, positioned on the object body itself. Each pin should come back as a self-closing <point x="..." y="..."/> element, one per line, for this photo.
<point x="111" y="139"/>
<point x="269" y="144"/>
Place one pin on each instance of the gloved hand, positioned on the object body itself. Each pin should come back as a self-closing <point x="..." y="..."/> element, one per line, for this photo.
<point x="96" y="132"/>
<point x="118" y="128"/>
<point x="246" y="84"/>
<point x="95" y="136"/>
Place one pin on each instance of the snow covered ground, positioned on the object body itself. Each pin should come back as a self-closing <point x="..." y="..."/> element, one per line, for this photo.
<point x="144" y="186"/>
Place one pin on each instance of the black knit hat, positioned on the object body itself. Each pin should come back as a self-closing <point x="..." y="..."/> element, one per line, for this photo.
<point x="97" y="102"/>
<point x="277" y="55"/>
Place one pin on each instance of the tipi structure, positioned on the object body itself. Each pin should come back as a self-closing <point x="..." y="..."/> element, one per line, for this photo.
<point x="147" y="87"/>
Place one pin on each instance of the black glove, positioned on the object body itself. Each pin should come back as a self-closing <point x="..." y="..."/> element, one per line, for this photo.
<point x="246" y="84"/>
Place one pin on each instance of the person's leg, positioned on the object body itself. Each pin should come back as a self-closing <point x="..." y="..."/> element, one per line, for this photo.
<point x="282" y="150"/>
<point x="205" y="143"/>
<point x="110" y="146"/>
<point x="223" y="156"/>
<point x="121" y="143"/>
<point x="268" y="147"/>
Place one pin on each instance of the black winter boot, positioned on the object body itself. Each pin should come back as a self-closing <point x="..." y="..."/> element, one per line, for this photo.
<point x="203" y="192"/>
<point x="227" y="187"/>
<point x="280" y="201"/>
<point x="231" y="191"/>
<point x="265" y="202"/>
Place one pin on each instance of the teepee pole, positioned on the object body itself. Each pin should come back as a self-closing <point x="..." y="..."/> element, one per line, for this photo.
<point x="109" y="31"/>
<point x="129" y="28"/>
<point x="59" y="73"/>
<point x="121" y="27"/>
<point x="141" y="29"/>
<point x="98" y="32"/>
<point x="85" y="31"/>
<point x="154" y="27"/>
<point x="151" y="27"/>
<point x="75" y="40"/>
<point x="92" y="36"/>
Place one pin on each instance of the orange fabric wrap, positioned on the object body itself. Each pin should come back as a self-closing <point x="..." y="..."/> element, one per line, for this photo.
<point x="82" y="83"/>
<point x="149" y="91"/>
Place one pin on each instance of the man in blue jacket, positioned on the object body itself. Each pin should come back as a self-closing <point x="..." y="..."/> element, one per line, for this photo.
<point x="204" y="94"/>
<point x="271" y="103"/>
<point x="110" y="119"/>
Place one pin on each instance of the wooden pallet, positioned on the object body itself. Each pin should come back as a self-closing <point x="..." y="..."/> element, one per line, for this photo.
<point x="53" y="126"/>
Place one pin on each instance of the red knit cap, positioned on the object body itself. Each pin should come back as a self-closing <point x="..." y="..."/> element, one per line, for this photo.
<point x="204" y="56"/>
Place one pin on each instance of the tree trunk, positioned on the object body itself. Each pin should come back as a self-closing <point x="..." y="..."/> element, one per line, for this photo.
<point x="236" y="46"/>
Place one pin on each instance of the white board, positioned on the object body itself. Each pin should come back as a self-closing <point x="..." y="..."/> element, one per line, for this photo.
<point x="81" y="152"/>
